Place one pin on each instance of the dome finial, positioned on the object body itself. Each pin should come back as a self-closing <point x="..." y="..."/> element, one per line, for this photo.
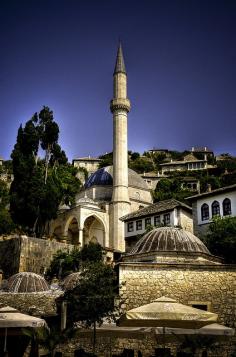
<point x="120" y="64"/>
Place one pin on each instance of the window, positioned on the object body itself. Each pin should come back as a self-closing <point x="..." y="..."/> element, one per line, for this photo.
<point x="139" y="225"/>
<point x="202" y="305"/>
<point x="147" y="222"/>
<point x="130" y="226"/>
<point x="157" y="221"/>
<point x="205" y="212"/>
<point x="215" y="208"/>
<point x="166" y="218"/>
<point x="226" y="207"/>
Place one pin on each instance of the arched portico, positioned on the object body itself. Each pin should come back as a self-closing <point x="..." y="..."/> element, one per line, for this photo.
<point x="94" y="230"/>
<point x="71" y="231"/>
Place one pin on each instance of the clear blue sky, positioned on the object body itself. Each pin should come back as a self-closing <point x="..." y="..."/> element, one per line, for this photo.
<point x="180" y="58"/>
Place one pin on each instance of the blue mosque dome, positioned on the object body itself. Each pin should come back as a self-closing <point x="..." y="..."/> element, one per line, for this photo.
<point x="104" y="177"/>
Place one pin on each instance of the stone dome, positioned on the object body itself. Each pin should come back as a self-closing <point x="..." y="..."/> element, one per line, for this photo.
<point x="26" y="282"/>
<point x="170" y="245"/>
<point x="70" y="281"/>
<point x="168" y="239"/>
<point x="104" y="177"/>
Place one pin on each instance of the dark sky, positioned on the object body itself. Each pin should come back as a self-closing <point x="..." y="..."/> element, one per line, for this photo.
<point x="180" y="57"/>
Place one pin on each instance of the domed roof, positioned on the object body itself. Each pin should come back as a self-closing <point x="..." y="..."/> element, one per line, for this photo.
<point x="70" y="281"/>
<point x="26" y="282"/>
<point x="169" y="239"/>
<point x="104" y="177"/>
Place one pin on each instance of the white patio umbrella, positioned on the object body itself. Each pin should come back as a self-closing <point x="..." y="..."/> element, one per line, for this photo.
<point x="213" y="329"/>
<point x="11" y="318"/>
<point x="167" y="312"/>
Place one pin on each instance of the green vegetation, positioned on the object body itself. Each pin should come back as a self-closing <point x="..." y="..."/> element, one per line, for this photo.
<point x="65" y="263"/>
<point x="107" y="160"/>
<point x="39" y="186"/>
<point x="6" y="223"/>
<point x="170" y="188"/>
<point x="93" y="299"/>
<point x="221" y="239"/>
<point x="94" y="296"/>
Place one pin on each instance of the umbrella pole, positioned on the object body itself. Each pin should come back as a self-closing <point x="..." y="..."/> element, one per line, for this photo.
<point x="5" y="341"/>
<point x="164" y="337"/>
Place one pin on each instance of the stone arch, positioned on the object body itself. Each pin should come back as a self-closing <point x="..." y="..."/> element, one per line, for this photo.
<point x="94" y="230"/>
<point x="71" y="230"/>
<point x="57" y="232"/>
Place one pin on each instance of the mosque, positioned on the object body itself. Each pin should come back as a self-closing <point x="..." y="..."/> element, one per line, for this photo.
<point x="109" y="193"/>
<point x="168" y="261"/>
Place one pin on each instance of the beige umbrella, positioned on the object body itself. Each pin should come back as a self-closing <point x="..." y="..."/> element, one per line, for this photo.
<point x="11" y="318"/>
<point x="167" y="312"/>
<point x="212" y="329"/>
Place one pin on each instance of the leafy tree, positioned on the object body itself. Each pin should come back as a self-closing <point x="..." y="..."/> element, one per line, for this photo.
<point x="6" y="223"/>
<point x="141" y="165"/>
<point x="134" y="156"/>
<point x="206" y="180"/>
<point x="221" y="239"/>
<point x="93" y="298"/>
<point x="49" y="133"/>
<point x="39" y="186"/>
<point x="48" y="338"/>
<point x="107" y="160"/>
<point x="65" y="263"/>
<point x="170" y="188"/>
<point x="229" y="164"/>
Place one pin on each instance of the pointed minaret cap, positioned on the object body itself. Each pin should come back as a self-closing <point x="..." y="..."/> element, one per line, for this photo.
<point x="120" y="64"/>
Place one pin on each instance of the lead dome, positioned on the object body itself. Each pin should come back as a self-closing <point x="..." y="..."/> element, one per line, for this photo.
<point x="104" y="177"/>
<point x="170" y="244"/>
<point x="26" y="282"/>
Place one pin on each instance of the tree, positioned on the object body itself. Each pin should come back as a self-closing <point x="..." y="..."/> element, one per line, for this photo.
<point x="65" y="263"/>
<point x="170" y="188"/>
<point x="221" y="239"/>
<point x="93" y="298"/>
<point x="6" y="223"/>
<point x="141" y="165"/>
<point x="48" y="338"/>
<point x="106" y="160"/>
<point x="134" y="155"/>
<point x="39" y="186"/>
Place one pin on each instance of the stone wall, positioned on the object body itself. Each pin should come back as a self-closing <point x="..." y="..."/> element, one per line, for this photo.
<point x="213" y="285"/>
<point x="9" y="256"/>
<point x="36" y="254"/>
<point x="36" y="304"/>
<point x="110" y="346"/>
<point x="23" y="253"/>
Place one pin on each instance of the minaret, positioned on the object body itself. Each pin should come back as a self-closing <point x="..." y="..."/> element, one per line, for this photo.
<point x="120" y="106"/>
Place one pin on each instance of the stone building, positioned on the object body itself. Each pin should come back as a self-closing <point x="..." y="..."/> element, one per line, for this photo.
<point x="189" y="163"/>
<point x="220" y="202"/>
<point x="109" y="193"/>
<point x="88" y="165"/>
<point x="172" y="262"/>
<point x="168" y="212"/>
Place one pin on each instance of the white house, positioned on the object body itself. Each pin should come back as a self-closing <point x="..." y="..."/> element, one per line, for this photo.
<point x="170" y="212"/>
<point x="219" y="202"/>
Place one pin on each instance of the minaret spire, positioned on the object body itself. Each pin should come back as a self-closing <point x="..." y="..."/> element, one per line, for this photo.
<point x="120" y="64"/>
<point x="120" y="106"/>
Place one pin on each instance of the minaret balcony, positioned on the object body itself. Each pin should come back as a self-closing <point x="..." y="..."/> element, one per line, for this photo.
<point x="120" y="103"/>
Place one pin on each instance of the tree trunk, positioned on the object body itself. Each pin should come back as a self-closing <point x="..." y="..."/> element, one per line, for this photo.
<point x="94" y="337"/>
